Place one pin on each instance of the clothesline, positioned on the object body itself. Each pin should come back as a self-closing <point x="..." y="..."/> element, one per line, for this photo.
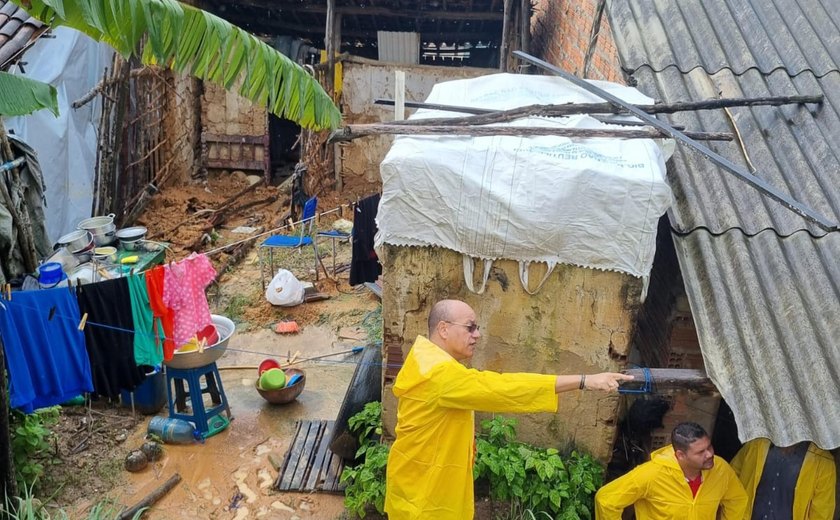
<point x="271" y="231"/>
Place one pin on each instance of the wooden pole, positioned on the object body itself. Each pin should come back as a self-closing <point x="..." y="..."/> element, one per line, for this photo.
<point x="507" y="30"/>
<point x="593" y="37"/>
<point x="525" y="25"/>
<point x="329" y="43"/>
<point x="486" y="116"/>
<point x="350" y="132"/>
<point x="399" y="95"/>
<point x="151" y="498"/>
<point x="671" y="379"/>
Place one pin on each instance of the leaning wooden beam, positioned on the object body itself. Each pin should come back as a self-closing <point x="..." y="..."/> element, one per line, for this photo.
<point x="484" y="116"/>
<point x="670" y="379"/>
<point x="350" y="132"/>
<point x="151" y="498"/>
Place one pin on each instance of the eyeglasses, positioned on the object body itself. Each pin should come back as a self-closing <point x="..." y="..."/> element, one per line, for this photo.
<point x="471" y="327"/>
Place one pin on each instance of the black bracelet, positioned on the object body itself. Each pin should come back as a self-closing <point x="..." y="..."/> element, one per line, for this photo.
<point x="582" y="381"/>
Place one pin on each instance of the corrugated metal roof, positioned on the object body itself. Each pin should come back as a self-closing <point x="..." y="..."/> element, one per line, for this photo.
<point x="398" y="47"/>
<point x="17" y="30"/>
<point x="764" y="284"/>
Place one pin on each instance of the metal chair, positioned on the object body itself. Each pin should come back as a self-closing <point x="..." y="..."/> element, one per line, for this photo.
<point x="304" y="238"/>
<point x="334" y="234"/>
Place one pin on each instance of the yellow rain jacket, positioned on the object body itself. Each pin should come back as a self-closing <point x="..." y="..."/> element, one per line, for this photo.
<point x="660" y="492"/>
<point x="814" y="496"/>
<point x="429" y="473"/>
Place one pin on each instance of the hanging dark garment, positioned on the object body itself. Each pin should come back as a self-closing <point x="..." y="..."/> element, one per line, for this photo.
<point x="365" y="266"/>
<point x="110" y="336"/>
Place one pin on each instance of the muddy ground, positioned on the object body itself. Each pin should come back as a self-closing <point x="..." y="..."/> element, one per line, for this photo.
<point x="230" y="475"/>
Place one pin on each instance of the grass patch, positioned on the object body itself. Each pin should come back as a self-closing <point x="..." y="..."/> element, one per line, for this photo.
<point x="236" y="306"/>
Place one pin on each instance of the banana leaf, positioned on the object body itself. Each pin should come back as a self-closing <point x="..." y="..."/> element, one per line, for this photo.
<point x="187" y="39"/>
<point x="20" y="96"/>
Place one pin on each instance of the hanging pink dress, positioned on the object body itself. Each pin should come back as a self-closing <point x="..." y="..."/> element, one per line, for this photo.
<point x="183" y="292"/>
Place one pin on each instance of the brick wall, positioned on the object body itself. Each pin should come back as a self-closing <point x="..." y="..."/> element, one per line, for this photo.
<point x="560" y="34"/>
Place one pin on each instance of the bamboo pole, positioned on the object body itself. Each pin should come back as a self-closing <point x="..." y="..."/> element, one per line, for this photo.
<point x="484" y="116"/>
<point x="329" y="43"/>
<point x="507" y="30"/>
<point x="350" y="132"/>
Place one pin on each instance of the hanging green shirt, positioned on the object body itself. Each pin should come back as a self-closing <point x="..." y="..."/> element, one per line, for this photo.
<point x="148" y="335"/>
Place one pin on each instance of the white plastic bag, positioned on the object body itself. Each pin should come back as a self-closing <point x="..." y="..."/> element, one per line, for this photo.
<point x="284" y="290"/>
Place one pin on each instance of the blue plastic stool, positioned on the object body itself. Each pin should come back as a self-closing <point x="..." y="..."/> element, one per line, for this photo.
<point x="176" y="377"/>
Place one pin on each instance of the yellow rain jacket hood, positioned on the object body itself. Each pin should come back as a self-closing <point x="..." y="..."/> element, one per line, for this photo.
<point x="815" y="488"/>
<point x="429" y="473"/>
<point x="660" y="492"/>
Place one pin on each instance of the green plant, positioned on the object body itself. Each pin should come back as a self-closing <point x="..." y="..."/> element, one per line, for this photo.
<point x="30" y="438"/>
<point x="236" y="307"/>
<point x="535" y="480"/>
<point x="366" y="481"/>
<point x="28" y="507"/>
<point x="372" y="323"/>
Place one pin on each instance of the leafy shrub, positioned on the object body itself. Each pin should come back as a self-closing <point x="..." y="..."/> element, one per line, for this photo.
<point x="30" y="437"/>
<point x="366" y="481"/>
<point x="536" y="479"/>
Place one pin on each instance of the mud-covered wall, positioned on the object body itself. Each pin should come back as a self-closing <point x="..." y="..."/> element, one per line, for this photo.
<point x="581" y="321"/>
<point x="366" y="80"/>
<point x="182" y="128"/>
<point x="225" y="116"/>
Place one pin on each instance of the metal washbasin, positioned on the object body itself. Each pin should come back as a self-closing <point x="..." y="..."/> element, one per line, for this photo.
<point x="211" y="353"/>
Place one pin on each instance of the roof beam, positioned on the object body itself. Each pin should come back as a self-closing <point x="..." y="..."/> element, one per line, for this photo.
<point x="354" y="10"/>
<point x="250" y="23"/>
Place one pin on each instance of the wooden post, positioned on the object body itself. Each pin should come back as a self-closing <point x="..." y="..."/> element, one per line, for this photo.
<point x="329" y="43"/>
<point x="399" y="95"/>
<point x="525" y="25"/>
<point x="507" y="30"/>
<point x="7" y="463"/>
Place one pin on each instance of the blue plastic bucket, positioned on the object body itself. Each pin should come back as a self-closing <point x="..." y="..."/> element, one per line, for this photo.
<point x="50" y="273"/>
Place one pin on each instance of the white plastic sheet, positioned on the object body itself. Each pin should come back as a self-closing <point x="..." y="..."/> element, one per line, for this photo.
<point x="73" y="63"/>
<point x="588" y="202"/>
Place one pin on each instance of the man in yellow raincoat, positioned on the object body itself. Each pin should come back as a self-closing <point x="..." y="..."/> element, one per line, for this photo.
<point x="797" y="482"/>
<point x="429" y="473"/>
<point x="683" y="481"/>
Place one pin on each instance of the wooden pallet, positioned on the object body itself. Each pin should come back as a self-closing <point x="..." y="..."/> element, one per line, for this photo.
<point x="309" y="465"/>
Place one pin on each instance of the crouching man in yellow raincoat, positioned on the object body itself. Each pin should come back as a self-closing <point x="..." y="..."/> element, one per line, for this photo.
<point x="796" y="482"/>
<point x="683" y="481"/>
<point x="429" y="473"/>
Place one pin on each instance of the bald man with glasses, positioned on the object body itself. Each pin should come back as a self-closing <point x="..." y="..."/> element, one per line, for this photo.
<point x="429" y="473"/>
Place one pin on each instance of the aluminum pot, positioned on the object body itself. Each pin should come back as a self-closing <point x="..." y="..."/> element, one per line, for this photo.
<point x="131" y="237"/>
<point x="103" y="229"/>
<point x="76" y="241"/>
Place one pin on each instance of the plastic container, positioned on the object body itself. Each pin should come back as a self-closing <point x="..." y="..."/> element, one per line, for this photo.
<point x="150" y="396"/>
<point x="50" y="273"/>
<point x="174" y="431"/>
<point x="273" y="379"/>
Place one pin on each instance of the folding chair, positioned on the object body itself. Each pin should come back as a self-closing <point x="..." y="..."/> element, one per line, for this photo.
<point x="334" y="234"/>
<point x="304" y="238"/>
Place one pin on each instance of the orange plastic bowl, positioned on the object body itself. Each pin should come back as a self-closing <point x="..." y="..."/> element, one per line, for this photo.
<point x="267" y="364"/>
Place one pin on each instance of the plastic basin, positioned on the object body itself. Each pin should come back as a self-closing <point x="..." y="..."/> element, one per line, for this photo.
<point x="195" y="359"/>
<point x="287" y="394"/>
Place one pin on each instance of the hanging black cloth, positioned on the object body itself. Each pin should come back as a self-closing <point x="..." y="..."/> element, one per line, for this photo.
<point x="110" y="342"/>
<point x="365" y="266"/>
